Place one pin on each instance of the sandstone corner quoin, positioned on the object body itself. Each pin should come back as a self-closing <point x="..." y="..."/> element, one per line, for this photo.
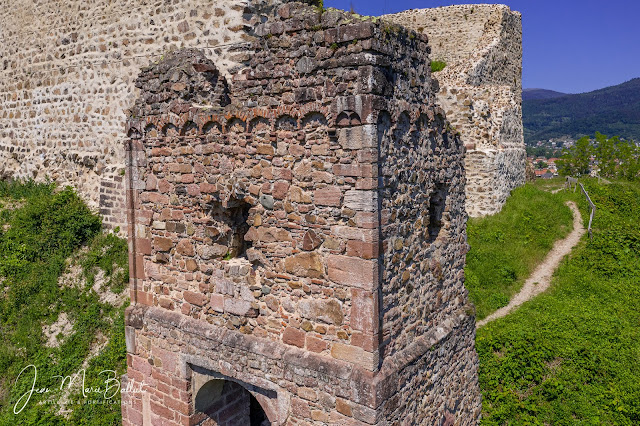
<point x="295" y="196"/>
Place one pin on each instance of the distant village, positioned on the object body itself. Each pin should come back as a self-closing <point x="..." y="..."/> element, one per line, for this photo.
<point x="545" y="168"/>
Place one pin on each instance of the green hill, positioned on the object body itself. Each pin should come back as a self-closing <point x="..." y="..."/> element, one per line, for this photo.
<point x="613" y="110"/>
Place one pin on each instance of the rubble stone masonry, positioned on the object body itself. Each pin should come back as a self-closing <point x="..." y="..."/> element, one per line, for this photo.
<point x="298" y="234"/>
<point x="67" y="72"/>
<point x="481" y="92"/>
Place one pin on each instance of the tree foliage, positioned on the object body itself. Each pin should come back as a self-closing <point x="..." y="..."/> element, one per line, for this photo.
<point x="615" y="158"/>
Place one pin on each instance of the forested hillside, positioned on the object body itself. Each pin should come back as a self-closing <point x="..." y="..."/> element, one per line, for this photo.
<point x="613" y="110"/>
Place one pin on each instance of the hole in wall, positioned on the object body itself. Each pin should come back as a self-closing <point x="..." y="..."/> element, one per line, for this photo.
<point x="437" y="205"/>
<point x="229" y="227"/>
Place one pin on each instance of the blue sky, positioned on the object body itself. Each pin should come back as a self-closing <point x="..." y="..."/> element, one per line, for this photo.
<point x="571" y="46"/>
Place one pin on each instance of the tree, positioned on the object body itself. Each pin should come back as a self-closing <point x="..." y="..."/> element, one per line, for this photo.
<point x="629" y="158"/>
<point x="576" y="160"/>
<point x="605" y="153"/>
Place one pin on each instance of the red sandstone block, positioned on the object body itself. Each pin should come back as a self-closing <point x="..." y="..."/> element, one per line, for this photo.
<point x="141" y="364"/>
<point x="180" y="384"/>
<point x="367" y="183"/>
<point x="165" y="303"/>
<point x="161" y="410"/>
<point x="154" y="197"/>
<point x="217" y="302"/>
<point x="169" y="360"/>
<point x="164" y="186"/>
<point x="162" y="244"/>
<point x="207" y="188"/>
<point x="193" y="190"/>
<point x="300" y="408"/>
<point x="177" y="405"/>
<point x="293" y="336"/>
<point x="179" y="168"/>
<point x="185" y="308"/>
<point x="144" y="217"/>
<point x="353" y="271"/>
<point x="187" y="178"/>
<point x="343" y="407"/>
<point x="140" y="266"/>
<point x="156" y="374"/>
<point x="364" y="311"/>
<point x="283" y="173"/>
<point x="356" y="170"/>
<point x="197" y="299"/>
<point x="316" y="345"/>
<point x="144" y="298"/>
<point x="131" y="417"/>
<point x="367" y="220"/>
<point x="362" y="249"/>
<point x="353" y="233"/>
<point x="280" y="190"/>
<point x="163" y="387"/>
<point x="185" y="247"/>
<point x="143" y="245"/>
<point x="367" y="155"/>
<point x="152" y="182"/>
<point x="328" y="196"/>
<point x="368" y="342"/>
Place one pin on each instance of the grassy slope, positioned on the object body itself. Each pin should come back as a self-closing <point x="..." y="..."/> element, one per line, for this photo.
<point x="505" y="248"/>
<point x="46" y="228"/>
<point x="572" y="355"/>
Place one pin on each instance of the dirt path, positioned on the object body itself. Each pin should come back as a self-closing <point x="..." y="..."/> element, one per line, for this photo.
<point x="541" y="277"/>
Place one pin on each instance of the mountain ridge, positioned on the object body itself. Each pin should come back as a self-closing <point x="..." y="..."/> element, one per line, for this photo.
<point x="613" y="110"/>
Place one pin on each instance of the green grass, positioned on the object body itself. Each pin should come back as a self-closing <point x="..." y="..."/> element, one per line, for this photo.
<point x="506" y="247"/>
<point x="41" y="228"/>
<point x="572" y="355"/>
<point x="437" y="66"/>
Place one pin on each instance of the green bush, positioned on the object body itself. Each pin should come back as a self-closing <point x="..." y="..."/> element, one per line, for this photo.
<point x="41" y="229"/>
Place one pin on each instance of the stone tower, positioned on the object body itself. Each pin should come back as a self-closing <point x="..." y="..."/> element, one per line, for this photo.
<point x="480" y="89"/>
<point x="297" y="235"/>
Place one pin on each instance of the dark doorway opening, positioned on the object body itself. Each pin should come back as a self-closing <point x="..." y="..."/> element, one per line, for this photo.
<point x="225" y="403"/>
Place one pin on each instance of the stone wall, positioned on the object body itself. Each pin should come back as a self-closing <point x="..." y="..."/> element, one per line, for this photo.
<point x="299" y="230"/>
<point x="67" y="72"/>
<point x="481" y="92"/>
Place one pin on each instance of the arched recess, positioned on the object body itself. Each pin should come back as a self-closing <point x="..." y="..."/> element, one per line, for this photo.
<point x="189" y="129"/>
<point x="225" y="402"/>
<point x="170" y="130"/>
<point x="151" y="131"/>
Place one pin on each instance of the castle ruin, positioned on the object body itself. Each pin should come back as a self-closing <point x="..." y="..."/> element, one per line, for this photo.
<point x="480" y="89"/>
<point x="298" y="235"/>
<point x="295" y="193"/>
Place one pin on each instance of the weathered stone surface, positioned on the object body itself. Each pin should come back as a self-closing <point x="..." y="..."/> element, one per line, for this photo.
<point x="353" y="271"/>
<point x="328" y="311"/>
<point x="305" y="265"/>
<point x="481" y="92"/>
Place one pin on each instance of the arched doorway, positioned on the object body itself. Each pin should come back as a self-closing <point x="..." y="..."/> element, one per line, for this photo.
<point x="225" y="403"/>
